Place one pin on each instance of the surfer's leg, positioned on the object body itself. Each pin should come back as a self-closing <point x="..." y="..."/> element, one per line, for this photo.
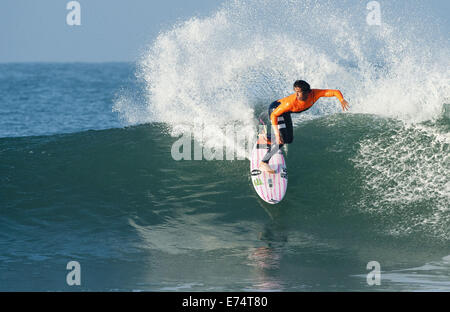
<point x="285" y="127"/>
<point x="272" y="151"/>
<point x="286" y="132"/>
<point x="271" y="109"/>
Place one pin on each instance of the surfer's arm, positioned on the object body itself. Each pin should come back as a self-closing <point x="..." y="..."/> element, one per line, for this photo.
<point x="331" y="93"/>
<point x="277" y="112"/>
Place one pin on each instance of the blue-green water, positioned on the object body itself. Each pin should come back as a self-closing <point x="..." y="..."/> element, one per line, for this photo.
<point x="135" y="219"/>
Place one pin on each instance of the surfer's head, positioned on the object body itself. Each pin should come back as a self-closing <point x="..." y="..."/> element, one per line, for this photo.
<point x="302" y="88"/>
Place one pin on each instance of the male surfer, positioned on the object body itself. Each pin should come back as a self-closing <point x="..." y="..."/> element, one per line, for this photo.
<point x="280" y="115"/>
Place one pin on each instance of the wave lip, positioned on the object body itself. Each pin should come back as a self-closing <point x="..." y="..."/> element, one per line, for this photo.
<point x="221" y="68"/>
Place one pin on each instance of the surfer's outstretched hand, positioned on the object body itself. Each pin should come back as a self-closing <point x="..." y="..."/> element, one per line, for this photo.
<point x="345" y="105"/>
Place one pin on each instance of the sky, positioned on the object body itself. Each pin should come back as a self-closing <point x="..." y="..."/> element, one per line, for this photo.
<point x="110" y="30"/>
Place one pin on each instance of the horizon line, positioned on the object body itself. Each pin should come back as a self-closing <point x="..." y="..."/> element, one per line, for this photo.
<point x="63" y="62"/>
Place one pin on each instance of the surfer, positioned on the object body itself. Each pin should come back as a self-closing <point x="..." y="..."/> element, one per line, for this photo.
<point x="280" y="115"/>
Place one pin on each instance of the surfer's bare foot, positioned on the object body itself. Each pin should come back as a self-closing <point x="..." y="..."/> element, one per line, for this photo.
<point x="265" y="167"/>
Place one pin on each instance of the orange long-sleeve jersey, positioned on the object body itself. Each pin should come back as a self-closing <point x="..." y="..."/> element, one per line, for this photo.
<point x="292" y="104"/>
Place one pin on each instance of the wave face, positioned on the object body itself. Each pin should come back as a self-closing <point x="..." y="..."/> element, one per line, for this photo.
<point x="226" y="68"/>
<point x="368" y="185"/>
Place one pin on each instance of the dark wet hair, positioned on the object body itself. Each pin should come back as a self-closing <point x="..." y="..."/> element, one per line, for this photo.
<point x="303" y="85"/>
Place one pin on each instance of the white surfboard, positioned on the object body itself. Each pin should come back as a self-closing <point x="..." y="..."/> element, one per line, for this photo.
<point x="270" y="187"/>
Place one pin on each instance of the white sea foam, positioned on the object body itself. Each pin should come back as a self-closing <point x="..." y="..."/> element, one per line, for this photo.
<point x="406" y="172"/>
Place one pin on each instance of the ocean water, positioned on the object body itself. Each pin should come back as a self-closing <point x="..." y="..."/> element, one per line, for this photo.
<point x="87" y="172"/>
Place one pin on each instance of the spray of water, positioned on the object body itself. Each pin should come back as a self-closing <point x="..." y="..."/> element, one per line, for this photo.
<point x="216" y="70"/>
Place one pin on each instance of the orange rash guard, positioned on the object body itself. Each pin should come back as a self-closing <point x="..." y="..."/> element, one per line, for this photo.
<point x="291" y="104"/>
